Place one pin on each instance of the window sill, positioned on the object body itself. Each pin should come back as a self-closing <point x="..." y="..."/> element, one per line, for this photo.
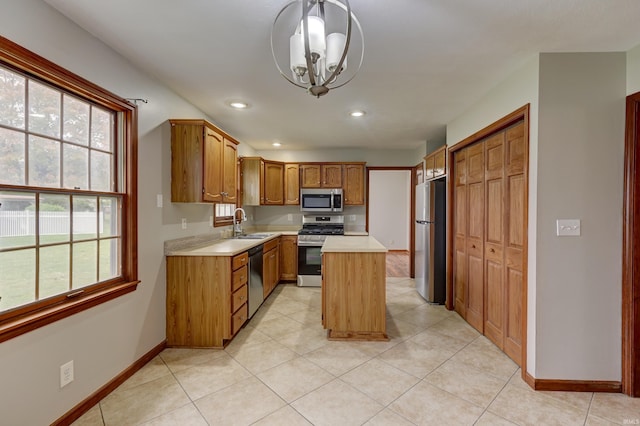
<point x="15" y="327"/>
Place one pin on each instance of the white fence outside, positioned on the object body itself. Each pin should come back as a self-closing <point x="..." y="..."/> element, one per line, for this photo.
<point x="23" y="223"/>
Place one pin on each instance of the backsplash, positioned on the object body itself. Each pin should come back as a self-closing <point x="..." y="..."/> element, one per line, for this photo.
<point x="291" y="216"/>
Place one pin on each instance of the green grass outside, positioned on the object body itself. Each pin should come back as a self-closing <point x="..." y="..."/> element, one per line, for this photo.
<point x="17" y="268"/>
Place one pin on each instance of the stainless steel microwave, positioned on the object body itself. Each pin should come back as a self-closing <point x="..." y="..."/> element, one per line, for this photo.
<point x="320" y="200"/>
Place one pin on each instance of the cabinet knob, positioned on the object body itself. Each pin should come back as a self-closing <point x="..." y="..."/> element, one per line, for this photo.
<point x="473" y="246"/>
<point x="492" y="250"/>
<point x="241" y="297"/>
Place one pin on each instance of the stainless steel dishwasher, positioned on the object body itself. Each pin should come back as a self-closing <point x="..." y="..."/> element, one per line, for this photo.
<point x="256" y="290"/>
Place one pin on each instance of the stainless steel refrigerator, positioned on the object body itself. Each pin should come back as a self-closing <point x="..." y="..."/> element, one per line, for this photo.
<point x="430" y="240"/>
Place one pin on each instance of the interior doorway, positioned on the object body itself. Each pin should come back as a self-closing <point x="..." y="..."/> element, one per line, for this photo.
<point x="389" y="201"/>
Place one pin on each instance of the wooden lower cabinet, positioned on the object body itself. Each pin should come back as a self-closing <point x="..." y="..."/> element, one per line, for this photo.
<point x="206" y="299"/>
<point x="489" y="236"/>
<point x="289" y="258"/>
<point x="353" y="295"/>
<point x="271" y="266"/>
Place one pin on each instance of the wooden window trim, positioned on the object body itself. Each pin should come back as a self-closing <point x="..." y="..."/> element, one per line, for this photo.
<point x="24" y="319"/>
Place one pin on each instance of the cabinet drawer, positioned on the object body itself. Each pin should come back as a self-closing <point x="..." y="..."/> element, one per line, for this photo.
<point x="239" y="278"/>
<point x="239" y="261"/>
<point x="271" y="244"/>
<point x="238" y="319"/>
<point x="239" y="298"/>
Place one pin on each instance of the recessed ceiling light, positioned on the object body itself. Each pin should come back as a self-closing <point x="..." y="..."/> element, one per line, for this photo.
<point x="276" y="144"/>
<point x="357" y="113"/>
<point x="239" y="105"/>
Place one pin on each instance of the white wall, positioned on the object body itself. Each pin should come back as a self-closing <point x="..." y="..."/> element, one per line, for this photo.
<point x="105" y="340"/>
<point x="580" y="176"/>
<point x="373" y="157"/>
<point x="519" y="89"/>
<point x="389" y="204"/>
<point x="633" y="70"/>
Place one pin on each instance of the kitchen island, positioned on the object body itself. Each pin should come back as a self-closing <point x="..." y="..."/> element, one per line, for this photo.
<point x="354" y="288"/>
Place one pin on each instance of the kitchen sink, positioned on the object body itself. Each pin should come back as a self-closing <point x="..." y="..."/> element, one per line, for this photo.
<point x="252" y="236"/>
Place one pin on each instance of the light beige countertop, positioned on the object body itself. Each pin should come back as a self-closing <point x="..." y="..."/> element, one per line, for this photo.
<point x="351" y="244"/>
<point x="226" y="246"/>
<point x="356" y="233"/>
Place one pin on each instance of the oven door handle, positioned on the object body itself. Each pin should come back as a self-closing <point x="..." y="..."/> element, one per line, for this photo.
<point x="309" y="243"/>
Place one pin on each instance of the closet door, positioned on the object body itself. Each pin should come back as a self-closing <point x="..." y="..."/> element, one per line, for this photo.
<point x="494" y="309"/>
<point x="515" y="235"/>
<point x="475" y="236"/>
<point x="459" y="263"/>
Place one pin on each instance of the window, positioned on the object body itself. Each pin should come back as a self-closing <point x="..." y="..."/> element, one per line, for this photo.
<point x="223" y="214"/>
<point x="67" y="193"/>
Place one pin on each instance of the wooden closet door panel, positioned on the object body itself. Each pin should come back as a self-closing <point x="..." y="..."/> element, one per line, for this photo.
<point x="494" y="239"/>
<point x="475" y="260"/>
<point x="515" y="234"/>
<point x="460" y="232"/>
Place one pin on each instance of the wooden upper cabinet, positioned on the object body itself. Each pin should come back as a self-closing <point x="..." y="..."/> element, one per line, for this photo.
<point x="230" y="172"/>
<point x="331" y="175"/>
<point x="291" y="184"/>
<point x="273" y="183"/>
<point x="310" y="176"/>
<point x="326" y="175"/>
<point x="353" y="184"/>
<point x="435" y="164"/>
<point x="440" y="162"/>
<point x="203" y="163"/>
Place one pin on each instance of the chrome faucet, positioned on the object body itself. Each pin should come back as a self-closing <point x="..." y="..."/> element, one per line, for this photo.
<point x="237" y="227"/>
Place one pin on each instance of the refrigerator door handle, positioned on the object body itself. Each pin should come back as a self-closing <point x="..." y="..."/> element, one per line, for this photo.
<point x="422" y="222"/>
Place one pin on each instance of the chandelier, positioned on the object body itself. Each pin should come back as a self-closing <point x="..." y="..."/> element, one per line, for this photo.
<point x="317" y="60"/>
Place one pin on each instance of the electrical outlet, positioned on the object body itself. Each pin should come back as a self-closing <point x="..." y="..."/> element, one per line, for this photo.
<point x="66" y="374"/>
<point x="210" y="220"/>
<point x="290" y="217"/>
<point x="184" y="223"/>
<point x="159" y="200"/>
<point x="353" y="218"/>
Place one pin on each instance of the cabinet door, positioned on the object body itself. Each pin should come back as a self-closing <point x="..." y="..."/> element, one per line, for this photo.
<point x="187" y="157"/>
<point x="332" y="176"/>
<point x="273" y="183"/>
<point x="494" y="240"/>
<point x="230" y="172"/>
<point x="460" y="234"/>
<point x="213" y="165"/>
<point x="288" y="257"/>
<point x="475" y="235"/>
<point x="291" y="184"/>
<point x="429" y="166"/>
<point x="440" y="162"/>
<point x="310" y="176"/>
<point x="354" y="184"/>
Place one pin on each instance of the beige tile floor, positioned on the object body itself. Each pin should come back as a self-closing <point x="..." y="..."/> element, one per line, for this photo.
<point x="281" y="370"/>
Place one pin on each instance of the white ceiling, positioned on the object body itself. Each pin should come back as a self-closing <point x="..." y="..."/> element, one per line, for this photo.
<point x="426" y="61"/>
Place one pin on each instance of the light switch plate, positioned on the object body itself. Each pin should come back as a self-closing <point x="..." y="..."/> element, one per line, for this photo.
<point x="568" y="227"/>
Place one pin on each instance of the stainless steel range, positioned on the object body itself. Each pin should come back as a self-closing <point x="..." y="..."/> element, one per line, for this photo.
<point x="315" y="229"/>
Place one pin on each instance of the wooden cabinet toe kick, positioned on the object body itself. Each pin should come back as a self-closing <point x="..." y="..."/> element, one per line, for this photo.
<point x="357" y="335"/>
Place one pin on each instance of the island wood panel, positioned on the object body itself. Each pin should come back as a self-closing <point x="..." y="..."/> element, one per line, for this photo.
<point x="198" y="295"/>
<point x="354" y="295"/>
